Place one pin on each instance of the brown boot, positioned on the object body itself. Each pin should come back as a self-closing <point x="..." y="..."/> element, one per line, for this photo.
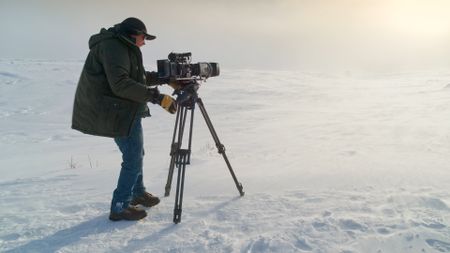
<point x="129" y="213"/>
<point x="146" y="199"/>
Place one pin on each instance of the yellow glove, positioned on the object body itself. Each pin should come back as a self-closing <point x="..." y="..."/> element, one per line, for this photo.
<point x="168" y="103"/>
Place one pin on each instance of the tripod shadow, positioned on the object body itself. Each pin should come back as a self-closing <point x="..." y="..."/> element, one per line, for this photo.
<point x="68" y="236"/>
<point x="213" y="210"/>
<point x="138" y="244"/>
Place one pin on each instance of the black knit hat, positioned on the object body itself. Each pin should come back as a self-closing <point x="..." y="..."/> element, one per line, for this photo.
<point x="135" y="26"/>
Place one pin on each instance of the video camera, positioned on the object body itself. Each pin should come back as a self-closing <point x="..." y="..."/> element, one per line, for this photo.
<point x="178" y="67"/>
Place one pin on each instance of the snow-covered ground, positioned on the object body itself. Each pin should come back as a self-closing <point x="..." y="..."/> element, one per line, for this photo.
<point x="329" y="163"/>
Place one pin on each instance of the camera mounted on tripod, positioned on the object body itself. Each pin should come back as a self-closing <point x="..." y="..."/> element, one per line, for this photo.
<point x="177" y="68"/>
<point x="185" y="77"/>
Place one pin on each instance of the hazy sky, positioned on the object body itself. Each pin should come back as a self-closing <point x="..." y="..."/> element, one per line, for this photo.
<point x="275" y="34"/>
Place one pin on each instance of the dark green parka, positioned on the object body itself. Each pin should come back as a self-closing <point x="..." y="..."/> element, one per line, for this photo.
<point x="113" y="88"/>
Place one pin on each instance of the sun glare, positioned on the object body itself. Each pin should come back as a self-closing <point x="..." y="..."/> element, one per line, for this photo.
<point x="425" y="20"/>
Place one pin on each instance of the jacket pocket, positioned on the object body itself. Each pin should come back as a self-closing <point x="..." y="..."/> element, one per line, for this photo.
<point x="118" y="115"/>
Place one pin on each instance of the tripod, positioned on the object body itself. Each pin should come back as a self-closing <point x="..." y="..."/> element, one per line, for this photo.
<point x="180" y="157"/>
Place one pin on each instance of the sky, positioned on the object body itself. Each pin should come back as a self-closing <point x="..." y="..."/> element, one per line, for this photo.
<point x="265" y="34"/>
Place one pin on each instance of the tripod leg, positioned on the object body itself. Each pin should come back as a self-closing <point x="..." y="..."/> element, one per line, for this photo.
<point x="181" y="164"/>
<point x="176" y="145"/>
<point x="220" y="146"/>
<point x="169" y="177"/>
<point x="191" y="127"/>
<point x="173" y="149"/>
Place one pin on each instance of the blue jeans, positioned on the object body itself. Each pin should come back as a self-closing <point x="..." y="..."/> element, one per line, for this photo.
<point x="130" y="182"/>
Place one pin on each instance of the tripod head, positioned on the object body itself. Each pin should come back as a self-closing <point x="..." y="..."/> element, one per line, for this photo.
<point x="187" y="95"/>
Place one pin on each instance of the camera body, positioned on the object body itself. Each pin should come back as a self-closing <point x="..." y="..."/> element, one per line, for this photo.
<point x="178" y="67"/>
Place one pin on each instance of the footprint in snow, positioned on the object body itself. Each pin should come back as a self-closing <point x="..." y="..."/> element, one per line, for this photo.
<point x="433" y="203"/>
<point x="302" y="244"/>
<point x="383" y="231"/>
<point x="439" y="245"/>
<point x="348" y="224"/>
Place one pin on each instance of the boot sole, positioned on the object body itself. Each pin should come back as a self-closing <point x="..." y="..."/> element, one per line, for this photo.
<point x="120" y="217"/>
<point x="135" y="204"/>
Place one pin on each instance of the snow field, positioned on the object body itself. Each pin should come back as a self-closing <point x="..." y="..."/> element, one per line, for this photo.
<point x="329" y="163"/>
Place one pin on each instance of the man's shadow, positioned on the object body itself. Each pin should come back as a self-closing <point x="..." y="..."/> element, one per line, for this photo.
<point x="102" y="224"/>
<point x="68" y="236"/>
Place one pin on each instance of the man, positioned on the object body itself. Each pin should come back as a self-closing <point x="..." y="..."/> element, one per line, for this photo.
<point x="110" y="100"/>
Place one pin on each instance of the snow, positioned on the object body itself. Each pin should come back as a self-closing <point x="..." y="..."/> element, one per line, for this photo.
<point x="351" y="162"/>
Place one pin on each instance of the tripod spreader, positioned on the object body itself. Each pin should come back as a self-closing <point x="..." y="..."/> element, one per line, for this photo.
<point x="181" y="157"/>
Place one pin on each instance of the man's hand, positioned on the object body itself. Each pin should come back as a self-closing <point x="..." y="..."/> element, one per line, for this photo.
<point x="168" y="103"/>
<point x="153" y="95"/>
